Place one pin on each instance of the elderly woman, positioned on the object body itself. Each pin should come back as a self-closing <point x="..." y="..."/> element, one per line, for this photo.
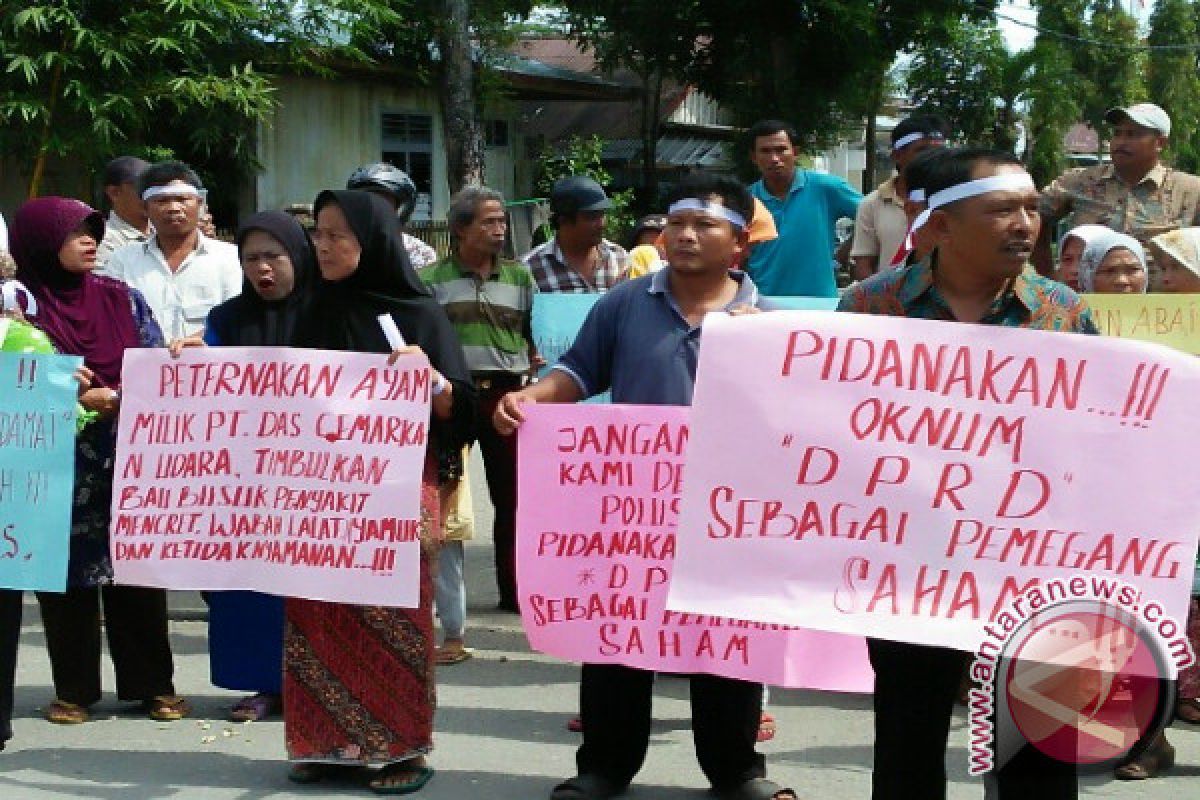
<point x="1070" y="248"/>
<point x="1113" y="263"/>
<point x="54" y="241"/>
<point x="358" y="680"/>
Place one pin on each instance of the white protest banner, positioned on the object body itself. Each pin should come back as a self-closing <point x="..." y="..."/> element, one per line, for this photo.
<point x="907" y="479"/>
<point x="294" y="472"/>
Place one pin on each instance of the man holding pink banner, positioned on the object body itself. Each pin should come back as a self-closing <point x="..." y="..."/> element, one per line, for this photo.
<point x="642" y="341"/>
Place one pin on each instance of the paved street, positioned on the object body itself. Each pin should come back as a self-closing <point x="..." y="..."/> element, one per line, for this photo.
<point x="500" y="732"/>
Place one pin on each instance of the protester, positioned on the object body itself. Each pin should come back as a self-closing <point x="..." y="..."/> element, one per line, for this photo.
<point x="642" y="340"/>
<point x="245" y="629"/>
<point x="977" y="272"/>
<point x="1178" y="253"/>
<point x="1113" y="263"/>
<point x="181" y="272"/>
<point x="127" y="221"/>
<point x="1136" y="194"/>
<point x="489" y="300"/>
<point x="916" y="244"/>
<point x="881" y="225"/>
<point x="393" y="184"/>
<point x="806" y="205"/>
<point x="645" y="252"/>
<point x="54" y="243"/>
<point x="1070" y="248"/>
<point x="577" y="258"/>
<point x="358" y="680"/>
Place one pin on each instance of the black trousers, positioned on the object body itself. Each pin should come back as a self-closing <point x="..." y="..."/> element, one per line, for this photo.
<point x="915" y="689"/>
<point x="10" y="637"/>
<point x="135" y="620"/>
<point x="615" y="708"/>
<point x="500" y="465"/>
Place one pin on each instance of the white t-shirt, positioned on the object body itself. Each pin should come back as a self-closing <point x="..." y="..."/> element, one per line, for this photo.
<point x="180" y="300"/>
<point x="3" y="234"/>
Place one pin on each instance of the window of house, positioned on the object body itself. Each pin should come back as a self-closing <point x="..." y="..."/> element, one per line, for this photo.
<point x="495" y="133"/>
<point x="408" y="144"/>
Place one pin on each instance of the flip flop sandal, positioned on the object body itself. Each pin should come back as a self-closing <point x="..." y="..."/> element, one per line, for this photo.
<point x="1156" y="760"/>
<point x="759" y="789"/>
<point x="766" y="728"/>
<point x="457" y="655"/>
<point x="168" y="708"/>
<point x="253" y="709"/>
<point x="381" y="783"/>
<point x="588" y="786"/>
<point x="60" y="712"/>
<point x="1188" y="710"/>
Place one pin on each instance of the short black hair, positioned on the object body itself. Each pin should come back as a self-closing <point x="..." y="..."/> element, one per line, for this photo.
<point x="956" y="164"/>
<point x="123" y="169"/>
<point x="164" y="172"/>
<point x="919" y="123"/>
<point x="770" y="127"/>
<point x="701" y="185"/>
<point x="917" y="172"/>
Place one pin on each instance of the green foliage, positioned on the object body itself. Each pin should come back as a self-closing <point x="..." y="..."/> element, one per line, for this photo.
<point x="88" y="79"/>
<point x="1171" y="77"/>
<point x="581" y="156"/>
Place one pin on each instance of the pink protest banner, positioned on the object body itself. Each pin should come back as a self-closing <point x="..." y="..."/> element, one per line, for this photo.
<point x="906" y="479"/>
<point x="294" y="472"/>
<point x="596" y="537"/>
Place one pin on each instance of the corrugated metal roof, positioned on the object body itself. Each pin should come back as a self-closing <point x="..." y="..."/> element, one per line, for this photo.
<point x="673" y="151"/>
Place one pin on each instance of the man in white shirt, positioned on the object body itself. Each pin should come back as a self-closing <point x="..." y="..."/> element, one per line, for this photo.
<point x="181" y="272"/>
<point x="127" y="221"/>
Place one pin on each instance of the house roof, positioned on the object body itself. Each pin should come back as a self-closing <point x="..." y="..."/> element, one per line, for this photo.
<point x="673" y="151"/>
<point x="540" y="80"/>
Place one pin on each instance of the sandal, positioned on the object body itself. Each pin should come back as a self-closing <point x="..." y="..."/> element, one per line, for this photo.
<point x="402" y="778"/>
<point x="1157" y="759"/>
<point x="455" y="654"/>
<point x="60" y="712"/>
<point x="766" y="728"/>
<point x="1188" y="710"/>
<point x="588" y="786"/>
<point x="308" y="772"/>
<point x="758" y="789"/>
<point x="167" y="708"/>
<point x="255" y="708"/>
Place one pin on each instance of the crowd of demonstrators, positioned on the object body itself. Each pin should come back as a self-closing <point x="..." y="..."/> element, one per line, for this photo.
<point x="489" y="301"/>
<point x="881" y="226"/>
<point x="806" y="206"/>
<point x="577" y="258"/>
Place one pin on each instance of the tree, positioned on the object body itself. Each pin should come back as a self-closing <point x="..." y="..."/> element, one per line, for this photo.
<point x="1056" y="87"/>
<point x="87" y="78"/>
<point x="1112" y="67"/>
<point x="456" y="84"/>
<point x="1171" y="76"/>
<point x="973" y="80"/>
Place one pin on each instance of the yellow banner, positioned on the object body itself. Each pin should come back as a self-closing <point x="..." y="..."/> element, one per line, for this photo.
<point x="1170" y="319"/>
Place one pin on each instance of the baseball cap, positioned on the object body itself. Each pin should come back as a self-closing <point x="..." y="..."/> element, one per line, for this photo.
<point x="1147" y="115"/>
<point x="577" y="193"/>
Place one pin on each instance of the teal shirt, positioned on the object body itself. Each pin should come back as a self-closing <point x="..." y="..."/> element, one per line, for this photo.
<point x="800" y="262"/>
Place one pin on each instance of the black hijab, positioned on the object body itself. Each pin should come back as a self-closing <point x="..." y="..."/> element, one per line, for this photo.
<point x="250" y="321"/>
<point x="345" y="312"/>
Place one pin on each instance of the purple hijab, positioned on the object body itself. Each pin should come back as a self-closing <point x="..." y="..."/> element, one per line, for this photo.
<point x="83" y="314"/>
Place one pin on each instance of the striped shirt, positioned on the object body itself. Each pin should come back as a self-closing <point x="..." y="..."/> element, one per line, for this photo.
<point x="553" y="273"/>
<point x="491" y="317"/>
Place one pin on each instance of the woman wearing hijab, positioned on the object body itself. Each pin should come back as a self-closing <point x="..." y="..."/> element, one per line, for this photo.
<point x="1070" y="248"/>
<point x="1113" y="263"/>
<point x="54" y="243"/>
<point x="332" y="716"/>
<point x="245" y="629"/>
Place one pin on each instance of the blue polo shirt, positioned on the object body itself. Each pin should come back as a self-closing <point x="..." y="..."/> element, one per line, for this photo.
<point x="800" y="262"/>
<point x="636" y="342"/>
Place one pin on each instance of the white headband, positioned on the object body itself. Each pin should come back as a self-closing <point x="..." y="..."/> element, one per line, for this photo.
<point x="716" y="209"/>
<point x="917" y="196"/>
<point x="1007" y="182"/>
<point x="174" y="189"/>
<point x="9" y="298"/>
<point x="909" y="138"/>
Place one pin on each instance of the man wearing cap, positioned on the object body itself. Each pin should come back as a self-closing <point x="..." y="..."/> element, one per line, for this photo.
<point x="127" y="221"/>
<point x="1135" y="194"/>
<point x="881" y="224"/>
<point x="981" y="221"/>
<point x="577" y="258"/>
<point x="806" y="205"/>
<point x="181" y="272"/>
